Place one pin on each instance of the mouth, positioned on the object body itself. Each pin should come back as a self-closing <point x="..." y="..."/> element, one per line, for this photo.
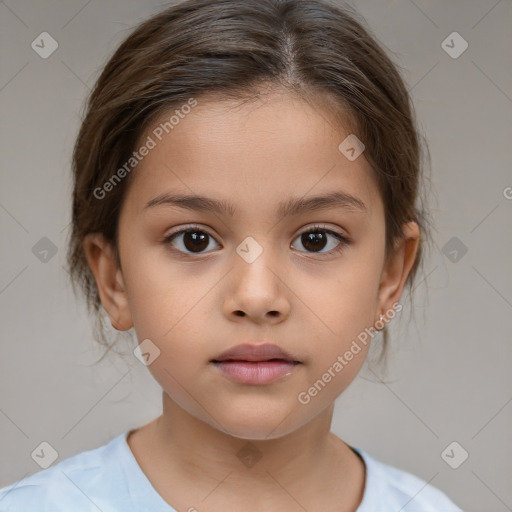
<point x="255" y="361"/>
<point x="251" y="353"/>
<point x="255" y="373"/>
<point x="255" y="364"/>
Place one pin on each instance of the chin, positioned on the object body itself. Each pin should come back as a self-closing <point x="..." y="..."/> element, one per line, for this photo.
<point x="255" y="432"/>
<point x="258" y="427"/>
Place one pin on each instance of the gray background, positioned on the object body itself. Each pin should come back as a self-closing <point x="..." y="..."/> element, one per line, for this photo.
<point x="450" y="377"/>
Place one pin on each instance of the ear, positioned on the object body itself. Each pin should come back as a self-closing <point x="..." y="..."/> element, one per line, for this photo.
<point x="397" y="267"/>
<point x="109" y="279"/>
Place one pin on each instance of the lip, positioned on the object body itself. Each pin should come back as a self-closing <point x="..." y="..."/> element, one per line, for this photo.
<point x="256" y="373"/>
<point x="255" y="353"/>
<point x="255" y="364"/>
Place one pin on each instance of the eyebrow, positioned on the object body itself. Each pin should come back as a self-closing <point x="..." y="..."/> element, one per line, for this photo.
<point x="287" y="208"/>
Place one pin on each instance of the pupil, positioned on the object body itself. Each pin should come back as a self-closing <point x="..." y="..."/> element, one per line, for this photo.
<point x="194" y="241"/>
<point x="315" y="241"/>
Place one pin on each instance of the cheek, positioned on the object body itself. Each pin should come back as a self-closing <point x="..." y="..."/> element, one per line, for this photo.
<point x="340" y="342"/>
<point x="345" y="298"/>
<point x="343" y="302"/>
<point x="171" y="307"/>
<point x="158" y="294"/>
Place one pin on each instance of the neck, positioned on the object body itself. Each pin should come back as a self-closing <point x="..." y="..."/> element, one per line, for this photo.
<point x="303" y="466"/>
<point x="200" y="446"/>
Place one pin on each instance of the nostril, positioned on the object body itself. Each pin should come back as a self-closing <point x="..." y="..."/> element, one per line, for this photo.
<point x="240" y="313"/>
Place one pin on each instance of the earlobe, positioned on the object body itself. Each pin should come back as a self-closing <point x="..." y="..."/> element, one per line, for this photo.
<point x="109" y="280"/>
<point x="397" y="268"/>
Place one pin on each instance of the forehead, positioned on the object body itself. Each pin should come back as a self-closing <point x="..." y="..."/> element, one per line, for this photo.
<point x="249" y="154"/>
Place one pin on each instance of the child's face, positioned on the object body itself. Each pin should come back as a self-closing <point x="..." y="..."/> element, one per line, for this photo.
<point x="195" y="305"/>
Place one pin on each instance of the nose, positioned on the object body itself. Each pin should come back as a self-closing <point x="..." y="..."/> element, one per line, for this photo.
<point x="257" y="291"/>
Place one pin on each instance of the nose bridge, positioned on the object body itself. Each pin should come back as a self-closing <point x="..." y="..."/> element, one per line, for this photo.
<point x="253" y="262"/>
<point x="256" y="288"/>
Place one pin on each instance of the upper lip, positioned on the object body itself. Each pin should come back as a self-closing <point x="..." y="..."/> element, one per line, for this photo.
<point x="249" y="352"/>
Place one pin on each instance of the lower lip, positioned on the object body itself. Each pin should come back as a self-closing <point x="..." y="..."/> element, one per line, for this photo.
<point x="257" y="373"/>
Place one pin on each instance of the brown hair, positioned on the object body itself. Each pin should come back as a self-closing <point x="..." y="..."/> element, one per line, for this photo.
<point x="233" y="49"/>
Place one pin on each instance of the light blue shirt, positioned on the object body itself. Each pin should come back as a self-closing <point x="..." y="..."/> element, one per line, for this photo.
<point x="109" y="479"/>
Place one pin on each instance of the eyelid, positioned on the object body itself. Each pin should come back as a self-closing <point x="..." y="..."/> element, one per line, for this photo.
<point x="320" y="227"/>
<point x="188" y="227"/>
<point x="199" y="227"/>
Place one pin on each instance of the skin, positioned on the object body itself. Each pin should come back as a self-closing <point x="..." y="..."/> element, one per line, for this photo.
<point x="311" y="304"/>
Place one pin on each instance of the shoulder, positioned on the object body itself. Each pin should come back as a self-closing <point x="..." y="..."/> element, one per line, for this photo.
<point x="81" y="482"/>
<point x="400" y="490"/>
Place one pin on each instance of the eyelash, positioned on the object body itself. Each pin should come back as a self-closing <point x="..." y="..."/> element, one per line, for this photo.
<point x="344" y="241"/>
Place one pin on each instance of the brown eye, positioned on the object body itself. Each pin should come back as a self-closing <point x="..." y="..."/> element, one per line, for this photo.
<point x="190" y="241"/>
<point x="315" y="240"/>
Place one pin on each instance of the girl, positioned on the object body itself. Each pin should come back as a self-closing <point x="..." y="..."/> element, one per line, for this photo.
<point x="245" y="197"/>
